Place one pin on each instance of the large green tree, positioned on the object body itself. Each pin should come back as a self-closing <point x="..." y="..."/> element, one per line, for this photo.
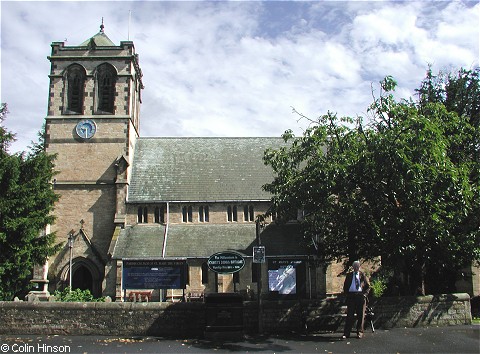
<point x="404" y="186"/>
<point x="26" y="203"/>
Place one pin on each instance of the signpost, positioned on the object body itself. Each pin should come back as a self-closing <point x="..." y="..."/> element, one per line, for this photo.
<point x="259" y="254"/>
<point x="259" y="275"/>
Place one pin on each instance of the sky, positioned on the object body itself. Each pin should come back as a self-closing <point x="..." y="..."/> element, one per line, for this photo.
<point x="239" y="68"/>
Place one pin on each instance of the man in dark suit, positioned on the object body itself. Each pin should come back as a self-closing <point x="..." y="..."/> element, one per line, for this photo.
<point x="356" y="287"/>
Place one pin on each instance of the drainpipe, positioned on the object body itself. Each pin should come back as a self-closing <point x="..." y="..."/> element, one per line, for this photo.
<point x="164" y="247"/>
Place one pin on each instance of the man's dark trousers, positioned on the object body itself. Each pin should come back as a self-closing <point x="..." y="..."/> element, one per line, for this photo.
<point x="355" y="305"/>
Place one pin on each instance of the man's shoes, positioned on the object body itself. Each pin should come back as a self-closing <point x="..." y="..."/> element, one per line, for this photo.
<point x="345" y="337"/>
<point x="360" y="335"/>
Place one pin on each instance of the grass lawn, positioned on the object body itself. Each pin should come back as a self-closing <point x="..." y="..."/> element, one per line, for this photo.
<point x="476" y="320"/>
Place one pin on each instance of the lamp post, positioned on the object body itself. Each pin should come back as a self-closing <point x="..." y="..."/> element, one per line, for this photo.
<point x="70" y="246"/>
<point x="259" y="277"/>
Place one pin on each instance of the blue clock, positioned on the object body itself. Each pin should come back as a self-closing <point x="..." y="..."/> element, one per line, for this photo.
<point x="86" y="128"/>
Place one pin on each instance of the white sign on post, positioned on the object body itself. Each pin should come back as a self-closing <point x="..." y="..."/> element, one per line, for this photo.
<point x="259" y="254"/>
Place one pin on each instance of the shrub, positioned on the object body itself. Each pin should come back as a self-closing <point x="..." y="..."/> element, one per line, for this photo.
<point x="76" y="295"/>
<point x="378" y="287"/>
<point x="380" y="281"/>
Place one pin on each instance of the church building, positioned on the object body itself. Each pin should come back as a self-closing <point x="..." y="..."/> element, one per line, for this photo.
<point x="152" y="216"/>
<point x="163" y="219"/>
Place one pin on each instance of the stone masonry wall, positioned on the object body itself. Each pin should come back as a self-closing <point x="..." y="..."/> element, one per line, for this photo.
<point x="438" y="310"/>
<point x="187" y="320"/>
<point x="102" y="318"/>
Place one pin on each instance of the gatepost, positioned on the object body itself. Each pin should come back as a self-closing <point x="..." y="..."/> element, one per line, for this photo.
<point x="224" y="311"/>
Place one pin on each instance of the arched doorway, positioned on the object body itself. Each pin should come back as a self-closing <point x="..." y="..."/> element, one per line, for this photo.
<point x="86" y="275"/>
<point x="82" y="279"/>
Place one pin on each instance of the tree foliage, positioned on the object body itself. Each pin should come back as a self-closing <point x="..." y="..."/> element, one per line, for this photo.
<point x="405" y="186"/>
<point x="26" y="203"/>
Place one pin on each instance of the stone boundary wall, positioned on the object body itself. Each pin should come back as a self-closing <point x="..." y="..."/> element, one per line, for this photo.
<point x="187" y="319"/>
<point x="181" y="320"/>
<point x="439" y="310"/>
<point x="389" y="312"/>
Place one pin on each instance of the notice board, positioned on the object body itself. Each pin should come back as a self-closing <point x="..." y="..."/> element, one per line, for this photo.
<point x="154" y="274"/>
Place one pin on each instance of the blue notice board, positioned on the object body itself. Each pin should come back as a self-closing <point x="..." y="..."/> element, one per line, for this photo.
<point x="154" y="274"/>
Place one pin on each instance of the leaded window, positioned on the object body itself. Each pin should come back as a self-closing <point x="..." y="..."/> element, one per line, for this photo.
<point x="187" y="214"/>
<point x="142" y="215"/>
<point x="248" y="214"/>
<point x="203" y="213"/>
<point x="232" y="214"/>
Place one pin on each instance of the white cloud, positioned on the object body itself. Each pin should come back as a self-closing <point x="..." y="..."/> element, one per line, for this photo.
<point x="237" y="68"/>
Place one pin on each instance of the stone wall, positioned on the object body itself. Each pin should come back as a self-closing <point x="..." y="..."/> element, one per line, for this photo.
<point x="438" y="310"/>
<point x="181" y="320"/>
<point x="389" y="312"/>
<point x="187" y="320"/>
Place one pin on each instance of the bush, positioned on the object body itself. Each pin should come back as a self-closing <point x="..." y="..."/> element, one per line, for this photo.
<point x="378" y="287"/>
<point x="76" y="295"/>
<point x="380" y="281"/>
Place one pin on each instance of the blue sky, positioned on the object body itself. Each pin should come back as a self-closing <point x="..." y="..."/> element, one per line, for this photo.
<point x="237" y="68"/>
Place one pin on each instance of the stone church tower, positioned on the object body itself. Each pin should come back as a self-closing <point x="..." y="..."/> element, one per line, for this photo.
<point x="92" y="125"/>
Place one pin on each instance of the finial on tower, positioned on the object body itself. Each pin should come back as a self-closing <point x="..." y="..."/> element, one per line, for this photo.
<point x="102" y="26"/>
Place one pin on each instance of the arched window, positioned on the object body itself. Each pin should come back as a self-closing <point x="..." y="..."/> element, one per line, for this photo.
<point x="75" y="87"/>
<point x="160" y="215"/>
<point x="248" y="214"/>
<point x="187" y="215"/>
<point x="106" y="79"/>
<point x="203" y="213"/>
<point x="142" y="215"/>
<point x="232" y="215"/>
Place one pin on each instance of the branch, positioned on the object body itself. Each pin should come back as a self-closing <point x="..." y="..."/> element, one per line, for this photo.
<point x="302" y="116"/>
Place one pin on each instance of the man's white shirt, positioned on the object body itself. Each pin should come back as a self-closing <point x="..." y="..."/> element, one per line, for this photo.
<point x="353" y="287"/>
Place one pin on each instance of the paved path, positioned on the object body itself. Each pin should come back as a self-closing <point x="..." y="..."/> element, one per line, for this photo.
<point x="456" y="339"/>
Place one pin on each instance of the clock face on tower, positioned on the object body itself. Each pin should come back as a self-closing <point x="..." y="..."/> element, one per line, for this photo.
<point x="86" y="128"/>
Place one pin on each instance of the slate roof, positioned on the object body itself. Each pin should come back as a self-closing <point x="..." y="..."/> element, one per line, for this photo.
<point x="200" y="169"/>
<point x="100" y="39"/>
<point x="203" y="240"/>
<point x="140" y="241"/>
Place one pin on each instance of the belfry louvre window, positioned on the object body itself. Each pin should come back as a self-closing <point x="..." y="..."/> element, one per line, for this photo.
<point x="187" y="215"/>
<point x="203" y="213"/>
<point x="106" y="79"/>
<point x="75" y="81"/>
<point x="142" y="215"/>
<point x="232" y="214"/>
<point x="248" y="214"/>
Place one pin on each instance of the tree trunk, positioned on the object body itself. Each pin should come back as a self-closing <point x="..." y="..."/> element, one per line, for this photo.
<point x="417" y="277"/>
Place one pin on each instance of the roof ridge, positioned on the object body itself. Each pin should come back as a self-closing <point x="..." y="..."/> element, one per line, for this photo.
<point x="209" y="137"/>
